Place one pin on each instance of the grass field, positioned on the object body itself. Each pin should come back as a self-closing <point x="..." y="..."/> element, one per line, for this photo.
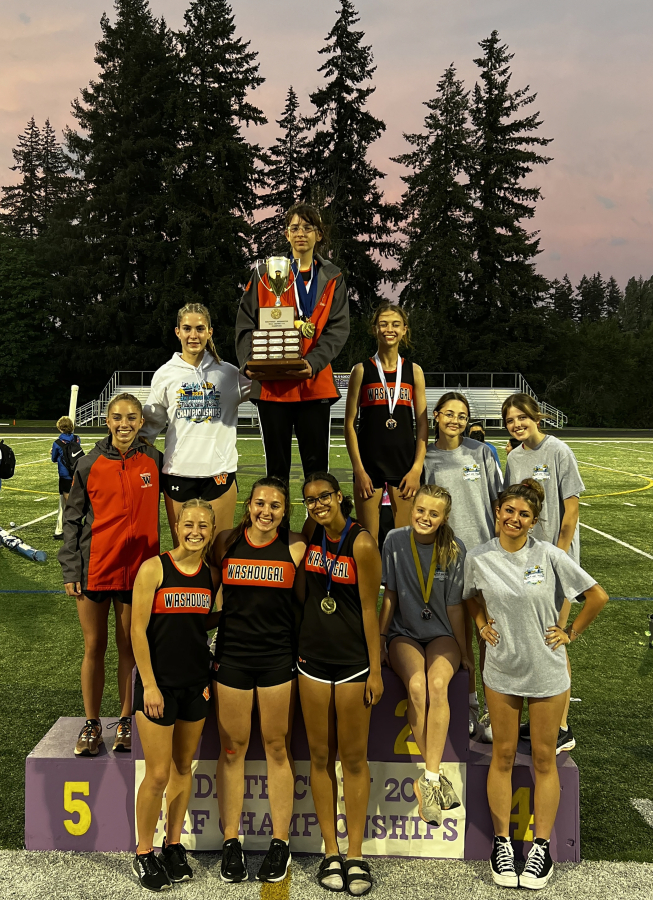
<point x="41" y="645"/>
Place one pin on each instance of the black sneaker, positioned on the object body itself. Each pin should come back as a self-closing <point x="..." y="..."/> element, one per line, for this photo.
<point x="539" y="866"/>
<point x="566" y="740"/>
<point x="525" y="731"/>
<point x="502" y="863"/>
<point x="58" y="537"/>
<point x="275" y="865"/>
<point x="149" y="870"/>
<point x="173" y="857"/>
<point x="232" y="867"/>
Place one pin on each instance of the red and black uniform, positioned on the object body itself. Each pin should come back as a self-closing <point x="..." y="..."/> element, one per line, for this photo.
<point x="302" y="404"/>
<point x="387" y="454"/>
<point x="257" y="644"/>
<point x="179" y="651"/>
<point x="111" y="520"/>
<point x="332" y="648"/>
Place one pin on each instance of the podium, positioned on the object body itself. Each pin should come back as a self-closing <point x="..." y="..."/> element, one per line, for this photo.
<point x="88" y="803"/>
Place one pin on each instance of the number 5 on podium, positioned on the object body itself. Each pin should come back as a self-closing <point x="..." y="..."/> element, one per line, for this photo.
<point x="82" y="809"/>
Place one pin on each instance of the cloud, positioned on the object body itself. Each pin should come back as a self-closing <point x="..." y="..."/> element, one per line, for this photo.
<point x="24" y="18"/>
<point x="555" y="255"/>
<point x="606" y="201"/>
<point x="618" y="241"/>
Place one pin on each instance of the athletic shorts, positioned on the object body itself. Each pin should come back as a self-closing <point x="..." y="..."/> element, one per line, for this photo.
<point x="246" y="678"/>
<point x="189" y="704"/>
<point x="379" y="480"/>
<point x="423" y="644"/>
<point x="65" y="485"/>
<point x="100" y="596"/>
<point x="182" y="489"/>
<point x="333" y="673"/>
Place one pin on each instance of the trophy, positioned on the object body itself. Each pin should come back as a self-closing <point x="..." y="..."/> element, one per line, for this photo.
<point x="277" y="343"/>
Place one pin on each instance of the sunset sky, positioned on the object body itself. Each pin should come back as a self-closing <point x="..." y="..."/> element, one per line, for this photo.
<point x="588" y="60"/>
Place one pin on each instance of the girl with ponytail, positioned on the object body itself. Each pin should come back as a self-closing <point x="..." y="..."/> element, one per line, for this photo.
<point x="515" y="587"/>
<point x="422" y="627"/>
<point x="197" y="395"/>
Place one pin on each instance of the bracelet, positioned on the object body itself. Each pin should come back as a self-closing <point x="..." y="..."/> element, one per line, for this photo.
<point x="481" y="630"/>
<point x="569" y="631"/>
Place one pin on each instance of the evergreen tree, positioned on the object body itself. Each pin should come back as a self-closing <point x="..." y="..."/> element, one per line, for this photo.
<point x="341" y="181"/>
<point x="55" y="183"/>
<point x="22" y="202"/>
<point x="119" y="255"/>
<point x="213" y="178"/>
<point x="613" y="298"/>
<point x="507" y="287"/>
<point x="436" y="260"/>
<point x="562" y="299"/>
<point x="591" y="298"/>
<point x="284" y="175"/>
<point x="636" y="309"/>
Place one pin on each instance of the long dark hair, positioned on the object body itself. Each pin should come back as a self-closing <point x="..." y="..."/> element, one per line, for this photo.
<point x="444" y="399"/>
<point x="347" y="503"/>
<point x="266" y="481"/>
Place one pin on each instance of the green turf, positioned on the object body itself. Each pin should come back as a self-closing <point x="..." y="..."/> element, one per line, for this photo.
<point x="41" y="644"/>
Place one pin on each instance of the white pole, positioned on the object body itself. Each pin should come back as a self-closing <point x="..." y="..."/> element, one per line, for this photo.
<point x="72" y="408"/>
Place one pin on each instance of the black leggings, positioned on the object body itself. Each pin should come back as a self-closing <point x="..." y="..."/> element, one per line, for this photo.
<point x="310" y="419"/>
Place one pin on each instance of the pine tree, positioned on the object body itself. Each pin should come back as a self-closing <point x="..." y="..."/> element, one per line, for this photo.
<point x="55" y="183"/>
<point x="591" y="298"/>
<point x="342" y="181"/>
<point x="613" y="298"/>
<point x="118" y="254"/>
<point x="436" y="260"/>
<point x="22" y="202"/>
<point x="636" y="310"/>
<point x="507" y="287"/>
<point x="213" y="178"/>
<point x="562" y="299"/>
<point x="284" y="175"/>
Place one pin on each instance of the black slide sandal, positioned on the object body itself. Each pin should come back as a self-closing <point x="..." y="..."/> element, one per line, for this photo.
<point x="363" y="875"/>
<point x="327" y="868"/>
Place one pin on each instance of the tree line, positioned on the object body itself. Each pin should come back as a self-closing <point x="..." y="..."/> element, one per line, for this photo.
<point x="160" y="195"/>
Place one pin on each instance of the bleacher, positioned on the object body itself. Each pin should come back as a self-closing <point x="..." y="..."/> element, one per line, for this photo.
<point x="485" y="392"/>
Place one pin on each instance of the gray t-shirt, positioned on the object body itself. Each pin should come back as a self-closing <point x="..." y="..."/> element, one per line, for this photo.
<point x="554" y="465"/>
<point x="523" y="593"/>
<point x="400" y="575"/>
<point x="474" y="481"/>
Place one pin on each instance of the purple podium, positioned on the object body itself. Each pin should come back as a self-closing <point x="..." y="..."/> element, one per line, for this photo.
<point x="88" y="804"/>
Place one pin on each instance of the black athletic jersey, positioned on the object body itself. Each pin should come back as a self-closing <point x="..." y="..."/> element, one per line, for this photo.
<point x="338" y="638"/>
<point x="258" y="622"/>
<point x="177" y="628"/>
<point x="386" y="453"/>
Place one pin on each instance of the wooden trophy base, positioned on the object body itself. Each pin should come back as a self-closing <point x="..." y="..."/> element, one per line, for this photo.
<point x="274" y="369"/>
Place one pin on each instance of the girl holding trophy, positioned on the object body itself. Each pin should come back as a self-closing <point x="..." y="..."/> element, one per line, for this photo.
<point x="297" y="395"/>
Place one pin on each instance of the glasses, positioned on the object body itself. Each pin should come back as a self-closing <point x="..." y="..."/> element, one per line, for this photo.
<point x="323" y="499"/>
<point x="450" y="416"/>
<point x="305" y="229"/>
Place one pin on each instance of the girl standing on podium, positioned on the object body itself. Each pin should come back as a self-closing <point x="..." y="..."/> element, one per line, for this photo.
<point x="422" y="627"/>
<point x="515" y="587"/>
<point x="303" y="401"/>
<point x="385" y="390"/>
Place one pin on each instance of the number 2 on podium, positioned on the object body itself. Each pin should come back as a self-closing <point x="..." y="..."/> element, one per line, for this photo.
<point x="404" y="747"/>
<point x="82" y="809"/>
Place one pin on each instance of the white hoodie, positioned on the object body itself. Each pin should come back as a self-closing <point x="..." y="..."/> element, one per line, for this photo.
<point x="200" y="406"/>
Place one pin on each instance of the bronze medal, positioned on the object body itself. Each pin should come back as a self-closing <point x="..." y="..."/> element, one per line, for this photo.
<point x="391" y="424"/>
<point x="328" y="606"/>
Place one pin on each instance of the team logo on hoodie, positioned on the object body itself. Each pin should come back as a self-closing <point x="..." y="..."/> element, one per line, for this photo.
<point x="199" y="402"/>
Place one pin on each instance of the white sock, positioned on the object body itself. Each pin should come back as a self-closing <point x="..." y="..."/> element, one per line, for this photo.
<point x="564" y="727"/>
<point x="431" y="776"/>
<point x="357" y="886"/>
<point x="473" y="699"/>
<point x="334" y="881"/>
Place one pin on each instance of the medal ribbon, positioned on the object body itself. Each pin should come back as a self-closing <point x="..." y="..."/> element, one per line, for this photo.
<point x="392" y="402"/>
<point x="329" y="568"/>
<point x="426" y="589"/>
<point x="305" y="294"/>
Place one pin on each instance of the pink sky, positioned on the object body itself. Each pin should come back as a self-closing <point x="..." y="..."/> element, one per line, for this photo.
<point x="588" y="60"/>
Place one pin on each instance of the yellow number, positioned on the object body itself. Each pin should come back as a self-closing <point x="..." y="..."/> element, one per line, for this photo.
<point x="522" y="818"/>
<point x="82" y="809"/>
<point x="402" y="744"/>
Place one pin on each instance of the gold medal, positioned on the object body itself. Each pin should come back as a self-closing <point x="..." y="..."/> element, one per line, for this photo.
<point x="328" y="606"/>
<point x="308" y="329"/>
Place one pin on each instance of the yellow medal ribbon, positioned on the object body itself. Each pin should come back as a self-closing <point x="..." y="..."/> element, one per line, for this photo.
<point x="426" y="589"/>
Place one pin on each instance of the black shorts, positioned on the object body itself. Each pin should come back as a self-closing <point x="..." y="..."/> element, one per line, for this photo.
<point x="246" y="678"/>
<point x="182" y="489"/>
<point x="65" y="485"/>
<point x="333" y="673"/>
<point x="190" y="704"/>
<point x="379" y="480"/>
<point x="100" y="596"/>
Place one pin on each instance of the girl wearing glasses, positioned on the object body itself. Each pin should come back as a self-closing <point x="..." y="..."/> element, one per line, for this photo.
<point x="256" y="652"/>
<point x="385" y="390"/>
<point x="467" y="470"/>
<point x="339" y="671"/>
<point x="304" y="398"/>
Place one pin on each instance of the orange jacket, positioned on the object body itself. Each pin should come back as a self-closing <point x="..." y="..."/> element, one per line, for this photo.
<point x="331" y="320"/>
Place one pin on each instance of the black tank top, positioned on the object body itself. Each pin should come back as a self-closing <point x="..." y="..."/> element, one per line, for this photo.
<point x="258" y="623"/>
<point x="384" y="451"/>
<point x="338" y="638"/>
<point x="177" y="628"/>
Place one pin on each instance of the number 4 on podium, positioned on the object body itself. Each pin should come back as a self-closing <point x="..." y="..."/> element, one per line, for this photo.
<point x="523" y="818"/>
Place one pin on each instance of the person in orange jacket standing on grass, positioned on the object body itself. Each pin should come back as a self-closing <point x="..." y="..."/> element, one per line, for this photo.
<point x="318" y="293"/>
